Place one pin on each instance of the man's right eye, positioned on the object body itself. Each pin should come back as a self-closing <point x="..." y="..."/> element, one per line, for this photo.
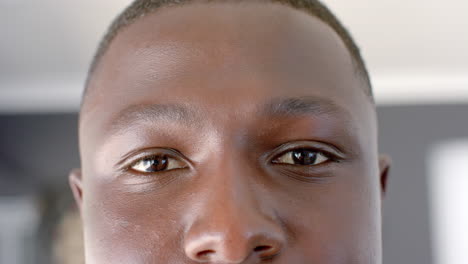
<point x="302" y="157"/>
<point x="157" y="163"/>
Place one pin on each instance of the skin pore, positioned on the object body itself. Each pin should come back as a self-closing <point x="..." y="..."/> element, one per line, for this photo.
<point x="229" y="133"/>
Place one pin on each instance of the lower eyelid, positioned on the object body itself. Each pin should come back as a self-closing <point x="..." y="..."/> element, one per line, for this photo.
<point x="309" y="174"/>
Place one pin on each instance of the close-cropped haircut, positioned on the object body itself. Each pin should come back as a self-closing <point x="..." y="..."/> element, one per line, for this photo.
<point x="140" y="8"/>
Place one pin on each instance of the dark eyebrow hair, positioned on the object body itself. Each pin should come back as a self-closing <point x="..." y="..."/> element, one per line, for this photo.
<point x="306" y="105"/>
<point x="290" y="106"/>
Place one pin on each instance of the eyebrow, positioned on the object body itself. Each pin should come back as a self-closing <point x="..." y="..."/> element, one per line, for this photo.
<point x="150" y="114"/>
<point x="298" y="106"/>
<point x="179" y="113"/>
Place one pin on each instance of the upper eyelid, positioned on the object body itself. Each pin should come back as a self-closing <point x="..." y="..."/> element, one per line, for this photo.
<point x="318" y="150"/>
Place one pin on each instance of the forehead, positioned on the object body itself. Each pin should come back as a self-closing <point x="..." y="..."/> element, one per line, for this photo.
<point x="225" y="59"/>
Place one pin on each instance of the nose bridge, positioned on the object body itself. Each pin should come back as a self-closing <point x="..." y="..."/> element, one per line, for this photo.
<point x="233" y="186"/>
<point x="232" y="224"/>
<point x="230" y="177"/>
<point x="234" y="191"/>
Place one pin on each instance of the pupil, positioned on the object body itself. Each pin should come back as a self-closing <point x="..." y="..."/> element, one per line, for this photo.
<point x="156" y="163"/>
<point x="304" y="157"/>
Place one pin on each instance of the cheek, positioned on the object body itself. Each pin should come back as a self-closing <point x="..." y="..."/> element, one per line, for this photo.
<point x="123" y="227"/>
<point x="338" y="223"/>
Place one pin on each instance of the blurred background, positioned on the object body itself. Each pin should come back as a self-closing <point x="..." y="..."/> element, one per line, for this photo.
<point x="416" y="52"/>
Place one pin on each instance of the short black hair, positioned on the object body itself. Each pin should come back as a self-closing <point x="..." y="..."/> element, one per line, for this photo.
<point x="140" y="8"/>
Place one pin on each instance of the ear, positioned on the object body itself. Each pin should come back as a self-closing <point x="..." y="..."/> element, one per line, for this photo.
<point x="76" y="185"/>
<point x="384" y="168"/>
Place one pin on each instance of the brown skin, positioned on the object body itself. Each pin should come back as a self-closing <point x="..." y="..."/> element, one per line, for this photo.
<point x="202" y="85"/>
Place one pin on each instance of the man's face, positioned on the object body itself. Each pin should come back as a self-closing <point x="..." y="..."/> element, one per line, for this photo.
<point x="229" y="133"/>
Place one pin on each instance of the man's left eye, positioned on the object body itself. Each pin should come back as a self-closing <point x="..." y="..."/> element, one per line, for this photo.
<point x="157" y="163"/>
<point x="304" y="157"/>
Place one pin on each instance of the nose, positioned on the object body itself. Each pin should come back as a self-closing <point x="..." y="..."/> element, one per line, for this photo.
<point x="230" y="226"/>
<point x="222" y="247"/>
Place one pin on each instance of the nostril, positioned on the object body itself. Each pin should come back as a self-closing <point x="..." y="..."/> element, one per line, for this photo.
<point x="205" y="254"/>
<point x="262" y="248"/>
<point x="266" y="252"/>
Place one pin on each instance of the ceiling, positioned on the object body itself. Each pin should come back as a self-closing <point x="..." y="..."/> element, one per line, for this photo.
<point x="416" y="50"/>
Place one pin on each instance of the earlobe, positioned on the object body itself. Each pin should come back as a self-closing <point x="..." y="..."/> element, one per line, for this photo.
<point x="75" y="182"/>
<point x="384" y="168"/>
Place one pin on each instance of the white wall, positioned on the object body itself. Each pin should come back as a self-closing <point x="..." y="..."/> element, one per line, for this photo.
<point x="448" y="196"/>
